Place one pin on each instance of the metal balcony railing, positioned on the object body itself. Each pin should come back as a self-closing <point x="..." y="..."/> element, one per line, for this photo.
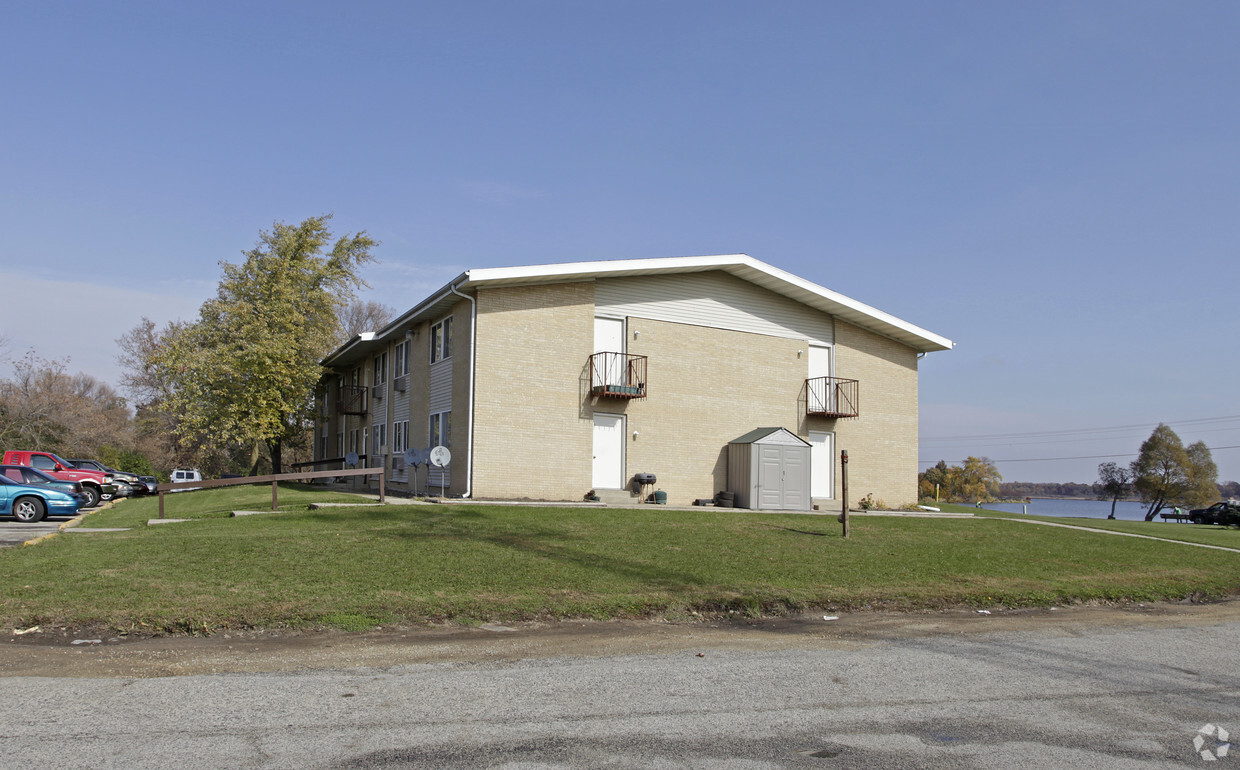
<point x="352" y="400"/>
<point x="618" y="375"/>
<point x="831" y="397"/>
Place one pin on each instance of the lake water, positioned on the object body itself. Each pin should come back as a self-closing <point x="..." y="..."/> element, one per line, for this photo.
<point x="1084" y="509"/>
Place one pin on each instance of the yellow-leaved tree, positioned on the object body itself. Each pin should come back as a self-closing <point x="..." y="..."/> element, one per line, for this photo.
<point x="245" y="371"/>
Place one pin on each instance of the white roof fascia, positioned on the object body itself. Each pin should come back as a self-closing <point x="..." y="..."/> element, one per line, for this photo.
<point x="740" y="265"/>
<point x="346" y="347"/>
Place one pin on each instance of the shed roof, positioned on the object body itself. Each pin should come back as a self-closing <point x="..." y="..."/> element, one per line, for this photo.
<point x="769" y="436"/>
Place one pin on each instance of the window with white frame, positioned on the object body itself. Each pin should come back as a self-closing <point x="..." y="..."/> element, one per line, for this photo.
<point x="353" y="440"/>
<point x="441" y="340"/>
<point x="380" y="438"/>
<point x="400" y="359"/>
<point x="380" y="375"/>
<point x="340" y="445"/>
<point x="441" y="429"/>
<point x="365" y="441"/>
<point x="400" y="436"/>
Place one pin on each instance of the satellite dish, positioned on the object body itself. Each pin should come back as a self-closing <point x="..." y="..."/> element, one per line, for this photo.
<point x="422" y="456"/>
<point x="411" y="456"/>
<point x="351" y="458"/>
<point x="440" y="456"/>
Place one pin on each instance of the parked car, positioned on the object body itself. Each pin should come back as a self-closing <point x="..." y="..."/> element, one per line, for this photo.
<point x="182" y="475"/>
<point x="95" y="484"/>
<point x="30" y="503"/>
<point x="1226" y="513"/>
<point x="23" y="474"/>
<point x="152" y="484"/>
<point x="123" y="477"/>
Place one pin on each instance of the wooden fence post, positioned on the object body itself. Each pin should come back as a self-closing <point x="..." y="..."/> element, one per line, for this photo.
<point x="844" y="491"/>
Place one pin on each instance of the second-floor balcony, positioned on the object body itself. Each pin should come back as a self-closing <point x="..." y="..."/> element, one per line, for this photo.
<point x="618" y="375"/>
<point x="352" y="400"/>
<point x="831" y="397"/>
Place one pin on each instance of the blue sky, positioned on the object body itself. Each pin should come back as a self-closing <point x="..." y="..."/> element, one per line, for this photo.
<point x="1054" y="186"/>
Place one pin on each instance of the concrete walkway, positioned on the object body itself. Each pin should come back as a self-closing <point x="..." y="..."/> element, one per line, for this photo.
<point x="1111" y="532"/>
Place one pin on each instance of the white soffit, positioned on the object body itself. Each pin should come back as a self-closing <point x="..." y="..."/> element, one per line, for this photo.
<point x="740" y="265"/>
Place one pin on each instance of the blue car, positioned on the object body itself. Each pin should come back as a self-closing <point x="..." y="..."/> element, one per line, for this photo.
<point x="28" y="503"/>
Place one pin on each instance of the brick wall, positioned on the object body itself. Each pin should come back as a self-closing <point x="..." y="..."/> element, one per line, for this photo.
<point x="707" y="387"/>
<point x="531" y="438"/>
<point x="534" y="413"/>
<point x="882" y="442"/>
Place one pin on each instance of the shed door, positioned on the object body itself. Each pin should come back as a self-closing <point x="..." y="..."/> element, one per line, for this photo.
<point x="783" y="478"/>
<point x="796" y="479"/>
<point x="608" y="451"/>
<point x="770" y="477"/>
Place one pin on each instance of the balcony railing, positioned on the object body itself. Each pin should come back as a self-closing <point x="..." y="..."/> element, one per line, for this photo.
<point x="352" y="400"/>
<point x="831" y="397"/>
<point x="618" y="375"/>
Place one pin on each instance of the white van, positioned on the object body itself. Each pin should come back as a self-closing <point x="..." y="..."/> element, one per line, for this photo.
<point x="180" y="475"/>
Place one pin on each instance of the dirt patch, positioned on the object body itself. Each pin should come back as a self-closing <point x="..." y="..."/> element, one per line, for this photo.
<point x="54" y="654"/>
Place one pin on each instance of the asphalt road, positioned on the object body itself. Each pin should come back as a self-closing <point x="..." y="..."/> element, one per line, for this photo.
<point x="14" y="532"/>
<point x="1096" y="690"/>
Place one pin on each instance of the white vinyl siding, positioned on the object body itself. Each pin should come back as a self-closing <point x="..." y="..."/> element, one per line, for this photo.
<point x="440" y="387"/>
<point x="713" y="299"/>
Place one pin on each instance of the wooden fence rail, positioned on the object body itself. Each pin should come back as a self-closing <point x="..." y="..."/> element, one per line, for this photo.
<point x="274" y="480"/>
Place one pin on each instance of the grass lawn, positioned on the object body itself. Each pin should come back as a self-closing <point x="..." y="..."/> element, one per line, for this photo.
<point x="355" y="568"/>
<point x="1228" y="537"/>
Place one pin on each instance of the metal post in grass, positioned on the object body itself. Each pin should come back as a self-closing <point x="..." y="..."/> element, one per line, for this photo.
<point x="275" y="493"/>
<point x="844" y="489"/>
<point x="161" y="502"/>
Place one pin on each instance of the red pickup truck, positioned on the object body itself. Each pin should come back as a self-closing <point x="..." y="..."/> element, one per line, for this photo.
<point x="95" y="485"/>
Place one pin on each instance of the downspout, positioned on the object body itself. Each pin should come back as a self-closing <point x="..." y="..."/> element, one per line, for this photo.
<point x="473" y="363"/>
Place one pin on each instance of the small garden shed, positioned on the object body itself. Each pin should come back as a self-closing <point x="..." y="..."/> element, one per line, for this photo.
<point x="769" y="470"/>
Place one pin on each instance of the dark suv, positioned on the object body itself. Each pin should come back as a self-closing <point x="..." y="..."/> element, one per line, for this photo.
<point x="1226" y="513"/>
<point x="140" y="487"/>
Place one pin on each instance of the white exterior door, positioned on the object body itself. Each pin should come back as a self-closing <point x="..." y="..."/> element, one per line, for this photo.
<point x="609" y="338"/>
<point x="822" y="462"/>
<point x="820" y="394"/>
<point x="608" y="451"/>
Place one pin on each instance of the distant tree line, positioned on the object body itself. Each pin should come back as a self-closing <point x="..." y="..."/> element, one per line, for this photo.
<point x="1021" y="489"/>
<point x="230" y="392"/>
<point x="43" y="407"/>
<point x="1166" y="473"/>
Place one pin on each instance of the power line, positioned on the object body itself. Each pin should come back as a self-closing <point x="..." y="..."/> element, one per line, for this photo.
<point x="1080" y="439"/>
<point x="1052" y="459"/>
<point x="1078" y="431"/>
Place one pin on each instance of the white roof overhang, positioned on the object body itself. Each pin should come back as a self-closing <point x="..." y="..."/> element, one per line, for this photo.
<point x="742" y="266"/>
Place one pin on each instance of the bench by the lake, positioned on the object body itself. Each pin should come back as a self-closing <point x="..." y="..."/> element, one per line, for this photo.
<point x="1176" y="516"/>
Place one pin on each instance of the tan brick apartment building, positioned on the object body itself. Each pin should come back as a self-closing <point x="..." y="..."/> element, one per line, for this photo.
<point x="548" y="381"/>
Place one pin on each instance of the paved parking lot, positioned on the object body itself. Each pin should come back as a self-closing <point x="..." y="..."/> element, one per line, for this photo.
<point x="14" y="532"/>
